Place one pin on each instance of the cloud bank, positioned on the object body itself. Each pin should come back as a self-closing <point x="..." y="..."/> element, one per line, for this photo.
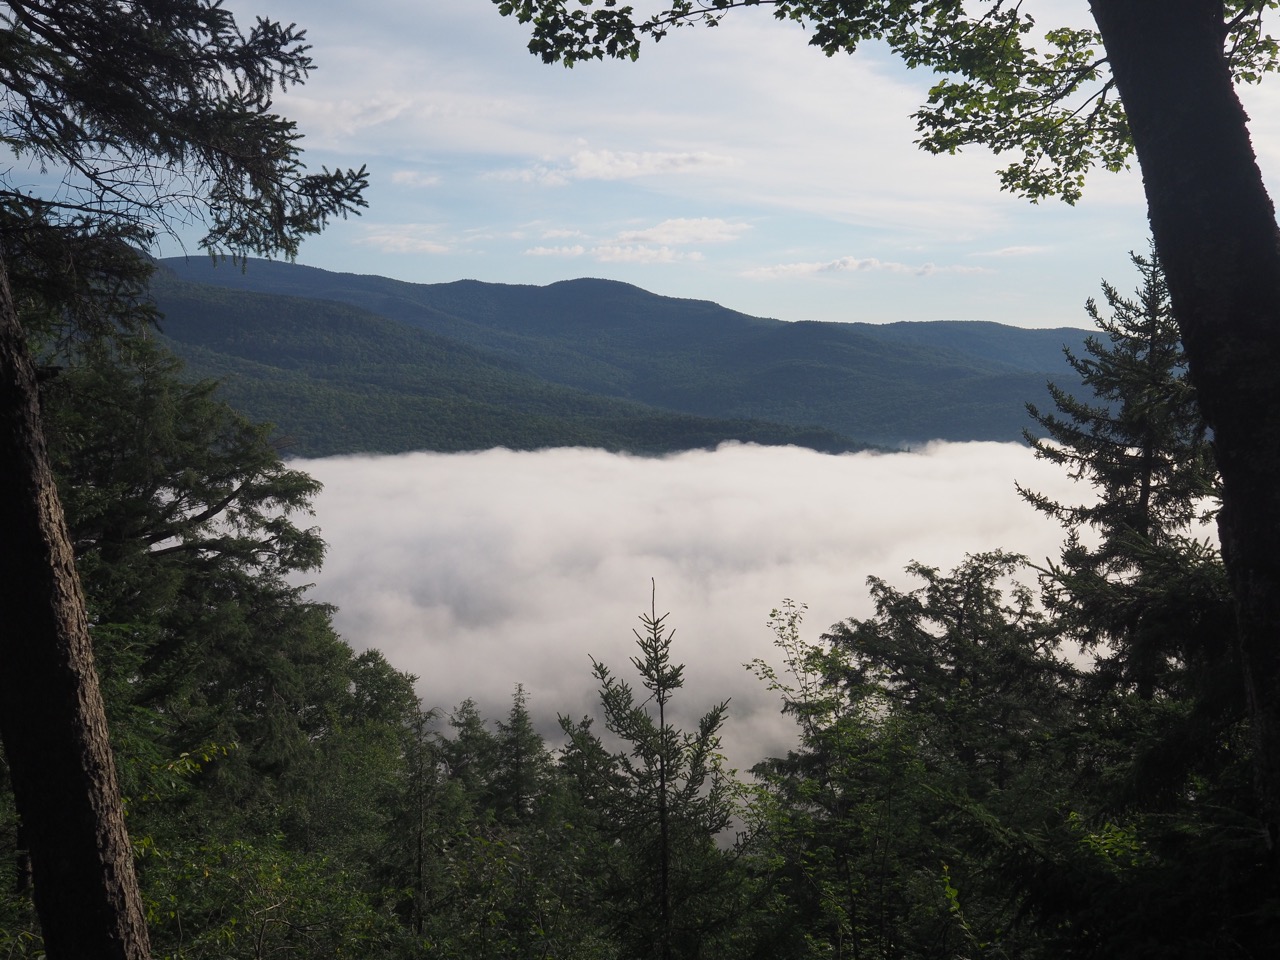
<point x="654" y="244"/>
<point x="616" y="165"/>
<point x="479" y="571"/>
<point x="687" y="230"/>
<point x="404" y="238"/>
<point x="856" y="265"/>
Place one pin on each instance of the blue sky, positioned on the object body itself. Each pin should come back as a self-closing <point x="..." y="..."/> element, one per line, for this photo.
<point x="737" y="165"/>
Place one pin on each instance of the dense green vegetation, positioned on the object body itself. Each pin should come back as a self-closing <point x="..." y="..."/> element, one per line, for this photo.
<point x="601" y="360"/>
<point x="1001" y="761"/>
<point x="338" y="379"/>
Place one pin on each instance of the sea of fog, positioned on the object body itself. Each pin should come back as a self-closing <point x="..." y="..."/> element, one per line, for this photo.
<point x="478" y="571"/>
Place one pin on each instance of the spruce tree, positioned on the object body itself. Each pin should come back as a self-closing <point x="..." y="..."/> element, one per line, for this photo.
<point x="1141" y="444"/>
<point x="1160" y="754"/>
<point x="1139" y="437"/>
<point x="523" y="764"/>
<point x="470" y="757"/>
<point x="662" y="801"/>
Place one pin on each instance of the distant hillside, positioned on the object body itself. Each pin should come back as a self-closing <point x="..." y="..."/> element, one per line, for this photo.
<point x="581" y="358"/>
<point x="336" y="379"/>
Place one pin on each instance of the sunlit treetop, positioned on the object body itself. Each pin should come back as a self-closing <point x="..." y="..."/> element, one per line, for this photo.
<point x="1005" y="81"/>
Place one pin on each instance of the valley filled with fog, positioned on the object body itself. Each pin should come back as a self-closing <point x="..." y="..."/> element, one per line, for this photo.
<point x="479" y="571"/>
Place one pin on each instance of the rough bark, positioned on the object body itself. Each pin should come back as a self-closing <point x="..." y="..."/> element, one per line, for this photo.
<point x="1215" y="232"/>
<point x="52" y="720"/>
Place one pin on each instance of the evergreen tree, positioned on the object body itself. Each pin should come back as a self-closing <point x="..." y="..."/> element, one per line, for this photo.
<point x="1138" y="581"/>
<point x="524" y="766"/>
<point x="1140" y="435"/>
<point x="1161" y="757"/>
<point x="470" y="757"/>
<point x="960" y="789"/>
<point x="181" y="512"/>
<point x="506" y="878"/>
<point x="1142" y="445"/>
<point x="662" y="801"/>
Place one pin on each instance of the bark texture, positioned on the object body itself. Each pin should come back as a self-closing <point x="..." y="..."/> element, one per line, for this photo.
<point x="52" y="719"/>
<point x="1215" y="231"/>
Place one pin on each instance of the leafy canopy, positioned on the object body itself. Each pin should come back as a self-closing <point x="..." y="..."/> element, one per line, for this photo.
<point x="1004" y="83"/>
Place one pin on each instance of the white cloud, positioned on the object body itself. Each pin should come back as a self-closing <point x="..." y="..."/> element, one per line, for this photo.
<point x="479" y="571"/>
<point x="413" y="178"/>
<point x="1016" y="251"/>
<point x="342" y="118"/>
<point x="480" y="234"/>
<point x="621" y="165"/>
<point x="855" y="265"/>
<point x="640" y="253"/>
<point x="539" y="173"/>
<point x="614" y="165"/>
<point x="687" y="230"/>
<point x="651" y="245"/>
<point x="576" y="250"/>
<point x="403" y="238"/>
<point x="617" y="253"/>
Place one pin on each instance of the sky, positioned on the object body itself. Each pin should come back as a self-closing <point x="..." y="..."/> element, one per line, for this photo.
<point x="736" y="164"/>
<point x="479" y="571"/>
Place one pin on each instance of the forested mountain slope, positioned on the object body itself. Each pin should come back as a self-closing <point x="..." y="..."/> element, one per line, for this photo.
<point x="337" y="379"/>
<point x="884" y="384"/>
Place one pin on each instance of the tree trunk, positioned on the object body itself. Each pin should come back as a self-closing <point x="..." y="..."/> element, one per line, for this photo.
<point x="1215" y="232"/>
<point x="52" y="720"/>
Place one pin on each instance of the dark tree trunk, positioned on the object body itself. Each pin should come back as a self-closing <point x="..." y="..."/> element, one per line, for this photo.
<point x="1215" y="232"/>
<point x="52" y="720"/>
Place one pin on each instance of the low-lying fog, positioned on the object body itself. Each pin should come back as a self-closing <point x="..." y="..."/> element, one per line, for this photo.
<point x="476" y="572"/>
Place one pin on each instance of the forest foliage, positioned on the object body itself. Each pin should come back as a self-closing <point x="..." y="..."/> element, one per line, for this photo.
<point x="1002" y="760"/>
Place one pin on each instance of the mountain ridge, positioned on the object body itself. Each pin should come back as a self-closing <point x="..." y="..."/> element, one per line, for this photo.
<point x="866" y="383"/>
